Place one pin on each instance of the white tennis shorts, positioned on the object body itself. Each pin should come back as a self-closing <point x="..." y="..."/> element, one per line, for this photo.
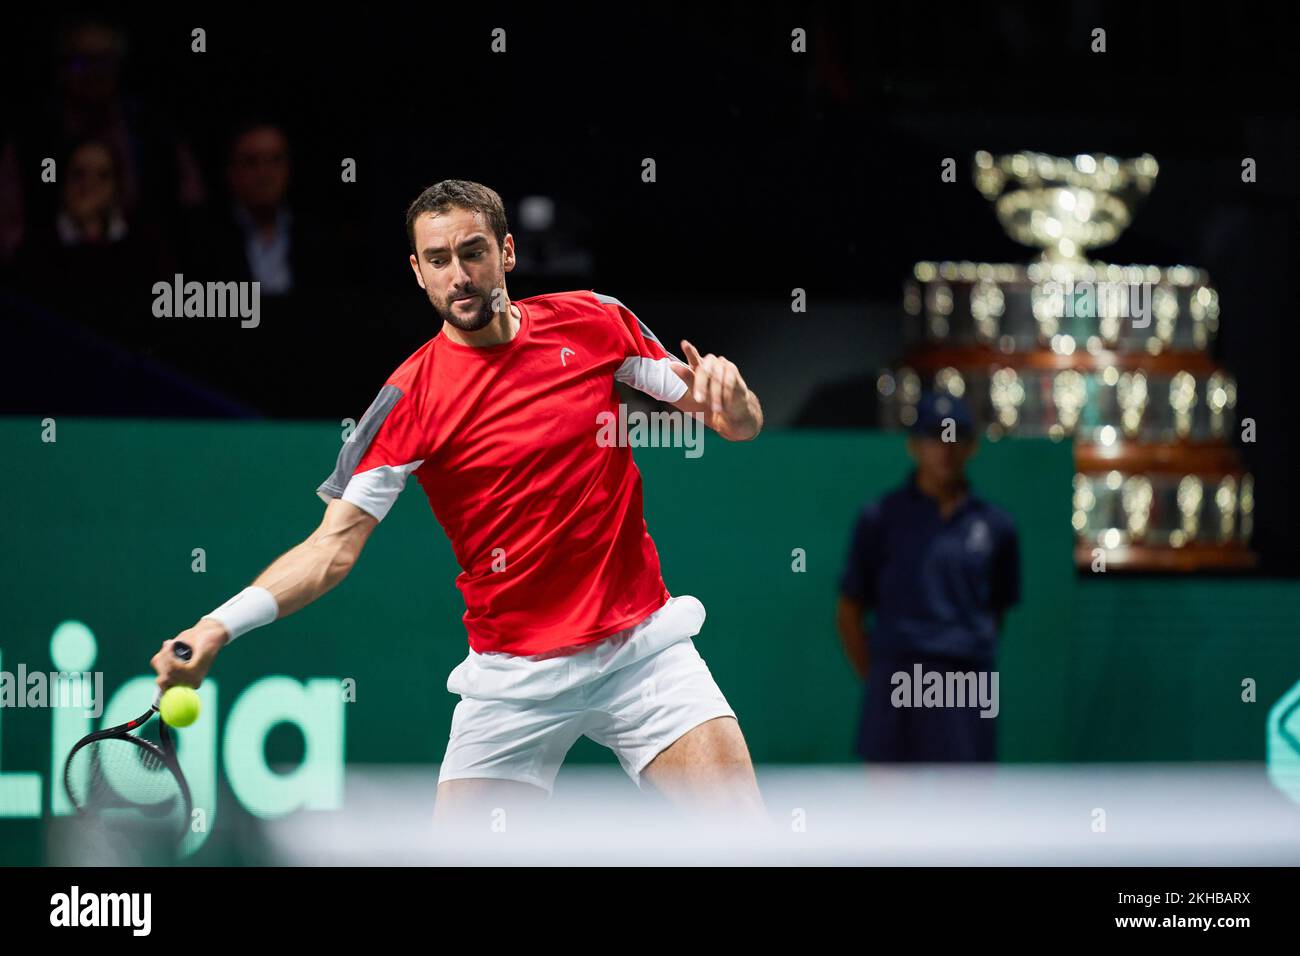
<point x="635" y="692"/>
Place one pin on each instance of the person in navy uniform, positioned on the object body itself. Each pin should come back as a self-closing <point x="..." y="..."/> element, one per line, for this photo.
<point x="939" y="567"/>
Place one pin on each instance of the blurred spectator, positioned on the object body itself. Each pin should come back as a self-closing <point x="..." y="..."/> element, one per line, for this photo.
<point x="258" y="235"/>
<point x="92" y="104"/>
<point x="939" y="567"/>
<point x="12" y="209"/>
<point x="257" y="232"/>
<point x="88" y="262"/>
<point x="91" y="211"/>
<point x="259" y="182"/>
<point x="85" y="99"/>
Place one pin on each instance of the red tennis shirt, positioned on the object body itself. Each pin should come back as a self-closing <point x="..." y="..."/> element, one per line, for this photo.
<point x="545" y="521"/>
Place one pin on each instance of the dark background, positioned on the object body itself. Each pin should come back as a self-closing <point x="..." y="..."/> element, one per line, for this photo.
<point x="775" y="170"/>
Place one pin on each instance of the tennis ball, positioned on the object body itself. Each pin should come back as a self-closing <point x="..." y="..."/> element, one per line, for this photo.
<point x="179" y="706"/>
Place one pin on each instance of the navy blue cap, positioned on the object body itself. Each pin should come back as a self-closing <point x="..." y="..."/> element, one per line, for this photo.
<point x="934" y="408"/>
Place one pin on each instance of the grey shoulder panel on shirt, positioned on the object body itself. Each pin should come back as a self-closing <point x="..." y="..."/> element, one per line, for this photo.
<point x="352" y="450"/>
<point x="645" y="329"/>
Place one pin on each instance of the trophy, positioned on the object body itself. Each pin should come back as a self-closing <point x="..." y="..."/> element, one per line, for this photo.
<point x="1113" y="358"/>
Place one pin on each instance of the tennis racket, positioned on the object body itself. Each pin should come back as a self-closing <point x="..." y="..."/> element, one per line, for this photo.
<point x="119" y="780"/>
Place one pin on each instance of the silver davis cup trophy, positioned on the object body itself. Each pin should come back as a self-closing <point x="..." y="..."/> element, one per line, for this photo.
<point x="1114" y="358"/>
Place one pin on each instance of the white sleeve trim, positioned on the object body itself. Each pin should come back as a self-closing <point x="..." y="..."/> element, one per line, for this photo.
<point x="375" y="490"/>
<point x="655" y="377"/>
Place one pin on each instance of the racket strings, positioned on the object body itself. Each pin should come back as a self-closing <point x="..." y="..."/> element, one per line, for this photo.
<point x="115" y="777"/>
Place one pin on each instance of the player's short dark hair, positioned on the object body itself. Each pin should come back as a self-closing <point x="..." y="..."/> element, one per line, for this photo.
<point x="464" y="194"/>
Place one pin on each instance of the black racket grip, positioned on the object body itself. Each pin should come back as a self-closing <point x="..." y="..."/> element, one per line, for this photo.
<point x="182" y="650"/>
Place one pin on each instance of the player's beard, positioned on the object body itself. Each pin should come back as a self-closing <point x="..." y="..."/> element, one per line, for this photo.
<point x="467" y="323"/>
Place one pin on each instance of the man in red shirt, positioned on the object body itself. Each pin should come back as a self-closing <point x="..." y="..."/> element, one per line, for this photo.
<point x="571" y="629"/>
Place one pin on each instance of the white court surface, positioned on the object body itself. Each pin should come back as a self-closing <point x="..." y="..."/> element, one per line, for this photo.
<point x="1153" y="815"/>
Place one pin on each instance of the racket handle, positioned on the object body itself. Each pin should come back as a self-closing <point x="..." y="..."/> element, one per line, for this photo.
<point x="181" y="651"/>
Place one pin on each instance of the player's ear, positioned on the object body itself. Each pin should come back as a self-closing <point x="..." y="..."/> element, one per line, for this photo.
<point x="415" y="267"/>
<point x="508" y="252"/>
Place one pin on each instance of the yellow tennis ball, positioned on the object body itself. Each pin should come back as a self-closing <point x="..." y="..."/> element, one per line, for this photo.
<point x="179" y="706"/>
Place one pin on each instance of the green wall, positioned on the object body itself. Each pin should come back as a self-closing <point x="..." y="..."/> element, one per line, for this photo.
<point x="100" y="526"/>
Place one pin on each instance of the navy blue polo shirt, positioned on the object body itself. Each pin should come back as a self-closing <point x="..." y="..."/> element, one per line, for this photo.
<point x="936" y="585"/>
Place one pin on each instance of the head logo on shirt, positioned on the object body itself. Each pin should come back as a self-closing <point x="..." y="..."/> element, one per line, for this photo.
<point x="564" y="352"/>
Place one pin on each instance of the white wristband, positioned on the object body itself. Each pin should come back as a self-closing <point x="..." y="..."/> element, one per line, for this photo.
<point x="250" y="608"/>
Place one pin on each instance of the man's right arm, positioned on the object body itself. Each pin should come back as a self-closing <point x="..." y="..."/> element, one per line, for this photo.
<point x="294" y="580"/>
<point x="391" y="440"/>
<point x="858" y="589"/>
<point x="304" y="573"/>
<point x="849" y="614"/>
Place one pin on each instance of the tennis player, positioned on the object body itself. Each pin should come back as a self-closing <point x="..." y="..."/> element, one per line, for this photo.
<point x="571" y="629"/>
